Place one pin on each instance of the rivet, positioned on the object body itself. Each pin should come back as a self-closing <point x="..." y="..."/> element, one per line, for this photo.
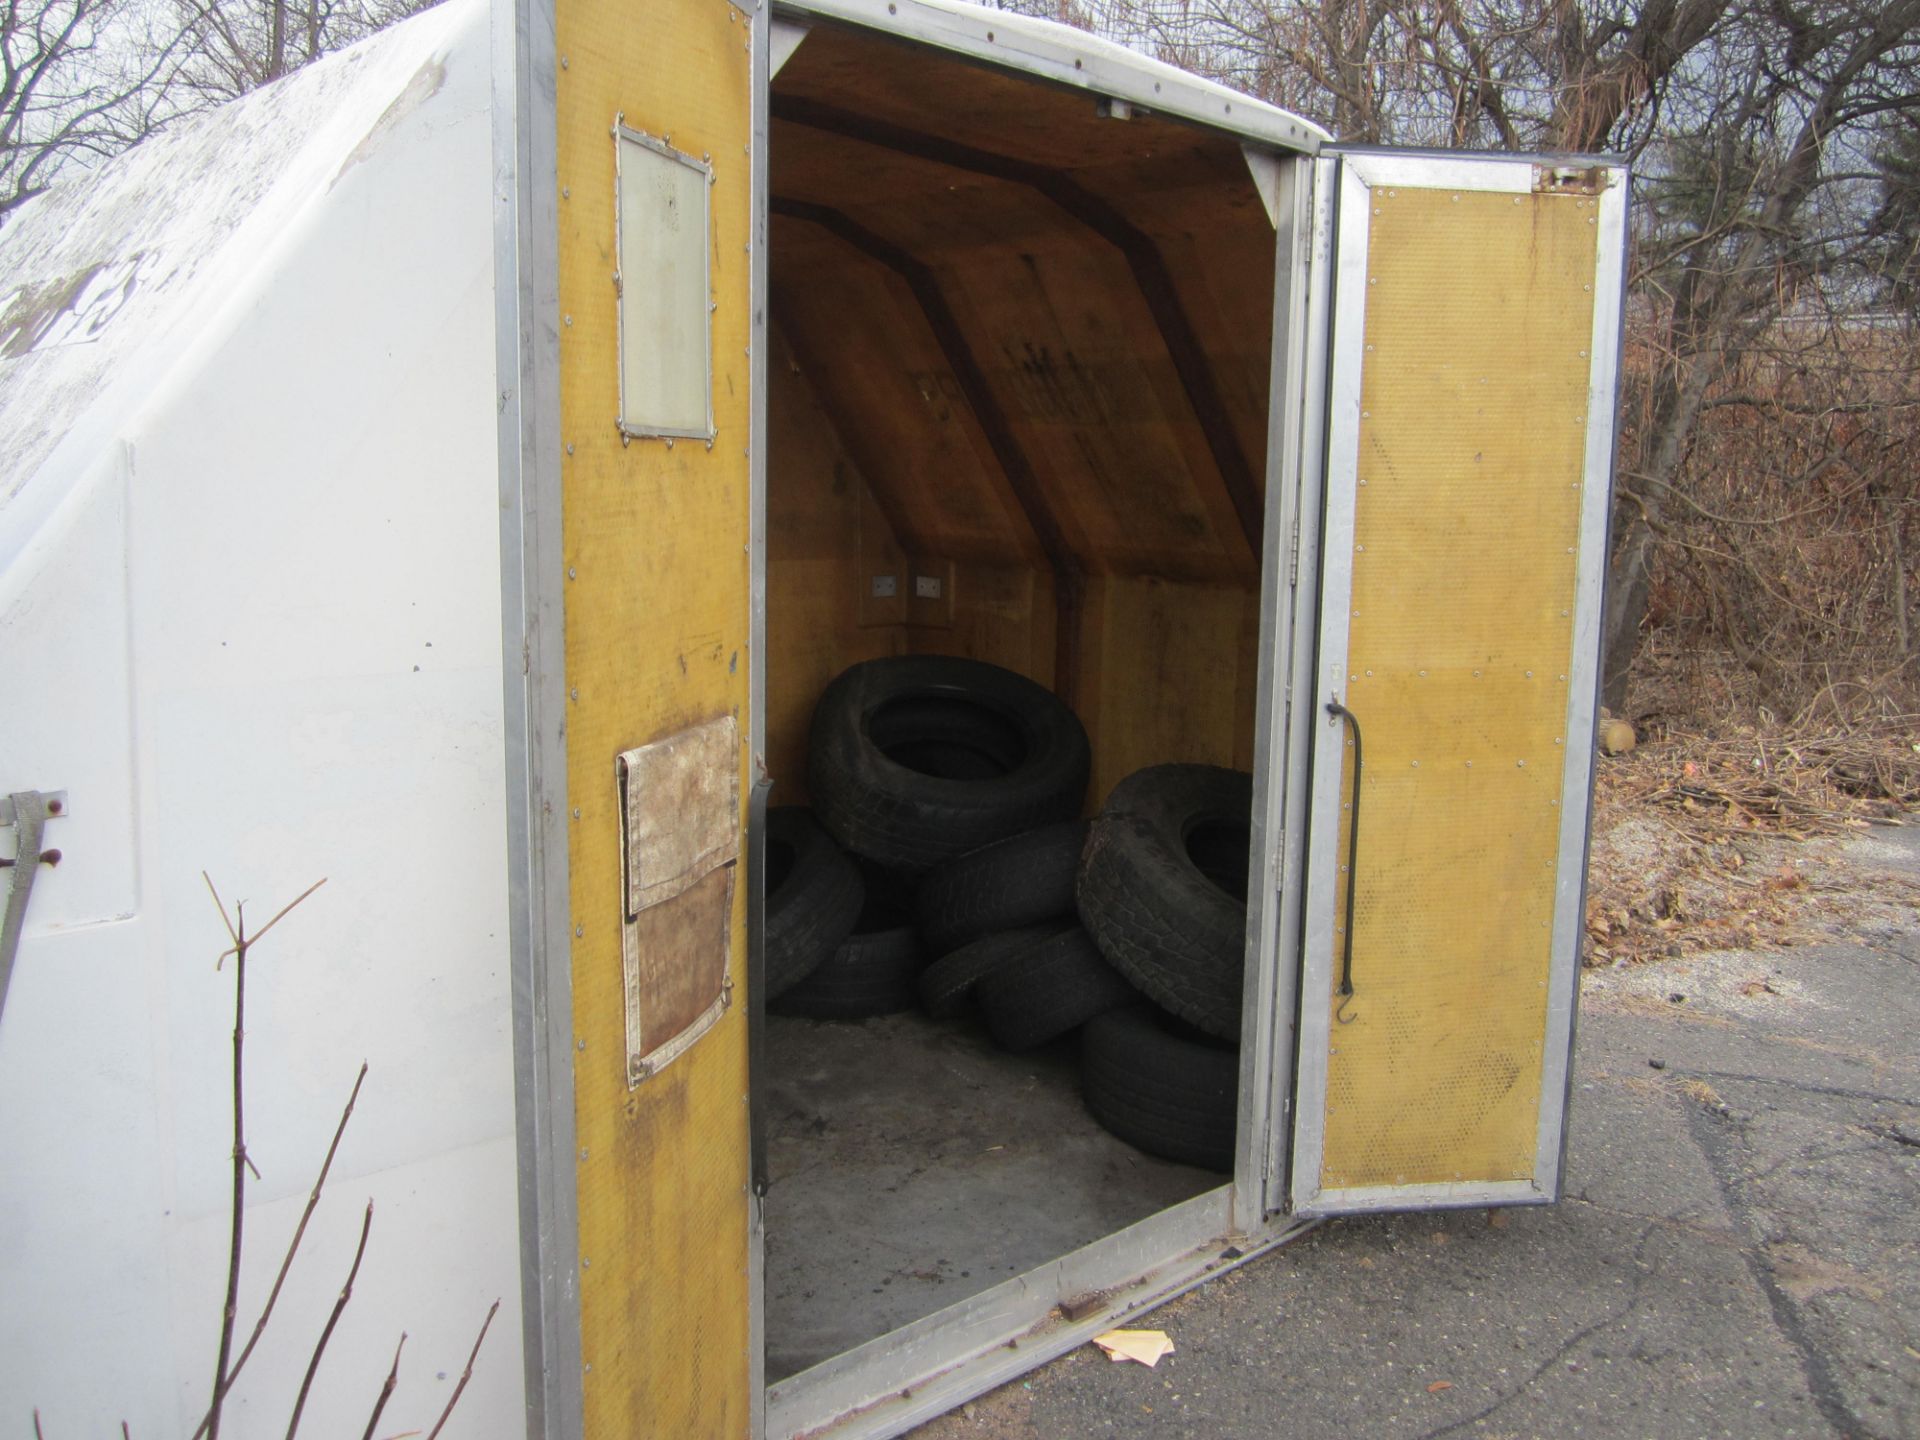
<point x="563" y="62"/>
<point x="669" y="442"/>
<point x="1456" y="199"/>
<point x="572" y="574"/>
<point x="583" y="1152"/>
<point x="1529" y="674"/>
<point x="566" y="192"/>
<point x="709" y="444"/>
<point x="1359" y="549"/>
<point x="569" y="447"/>
<point x="1356" y="614"/>
<point x="1423" y="674"/>
<point x="578" y="931"/>
<point x="576" y="812"/>
<point x="574" y="693"/>
<point x="1476" y="674"/>
<point x="1553" y="802"/>
<point x="569" y="319"/>
<point x="1372" y="280"/>
<point x="1416" y="764"/>
<point x="1366" y="415"/>
<point x="1369" y="672"/>
<point x="580" y="1044"/>
<point x="1521" y="764"/>
<point x="585" y="1263"/>
<point x="1353" y="677"/>
<point x="1469" y="764"/>
<point x="1556" y="739"/>
<point x="1516" y="199"/>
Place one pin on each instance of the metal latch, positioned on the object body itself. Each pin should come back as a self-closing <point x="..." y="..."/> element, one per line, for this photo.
<point x="1569" y="179"/>
<point x="27" y="812"/>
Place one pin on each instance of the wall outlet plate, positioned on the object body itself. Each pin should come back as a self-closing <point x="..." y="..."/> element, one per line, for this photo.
<point x="926" y="587"/>
<point x="885" y="587"/>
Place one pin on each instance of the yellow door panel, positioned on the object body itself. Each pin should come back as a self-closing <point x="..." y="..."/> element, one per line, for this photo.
<point x="657" y="612"/>
<point x="1461" y="564"/>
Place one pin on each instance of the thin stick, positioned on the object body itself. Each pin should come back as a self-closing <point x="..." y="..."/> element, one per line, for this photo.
<point x="232" y="1305"/>
<point x="386" y="1390"/>
<point x="37" y="1435"/>
<point x="286" y="1264"/>
<point x="465" y="1375"/>
<point x="125" y="1433"/>
<point x="346" y="1294"/>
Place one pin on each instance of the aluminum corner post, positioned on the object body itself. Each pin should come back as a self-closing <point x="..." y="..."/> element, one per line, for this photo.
<point x="527" y="382"/>
<point x="1267" y="1037"/>
<point x="765" y="62"/>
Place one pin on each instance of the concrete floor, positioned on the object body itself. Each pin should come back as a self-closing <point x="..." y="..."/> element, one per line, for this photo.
<point x="1738" y="1254"/>
<point x="912" y="1164"/>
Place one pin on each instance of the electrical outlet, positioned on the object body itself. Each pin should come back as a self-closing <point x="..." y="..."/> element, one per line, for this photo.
<point x="926" y="587"/>
<point x="885" y="587"/>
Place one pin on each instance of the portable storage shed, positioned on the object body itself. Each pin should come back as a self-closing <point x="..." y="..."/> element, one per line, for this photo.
<point x="458" y="469"/>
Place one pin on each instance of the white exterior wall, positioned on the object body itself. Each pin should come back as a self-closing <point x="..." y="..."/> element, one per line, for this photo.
<point x="250" y="623"/>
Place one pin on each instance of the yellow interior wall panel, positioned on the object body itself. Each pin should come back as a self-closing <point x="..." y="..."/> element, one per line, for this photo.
<point x="1472" y="441"/>
<point x="656" y="641"/>
<point x="1161" y="676"/>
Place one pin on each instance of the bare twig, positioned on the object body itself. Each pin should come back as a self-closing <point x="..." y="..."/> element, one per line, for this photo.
<point x="466" y="1374"/>
<point x="286" y="1264"/>
<point x="386" y="1390"/>
<point x="238" y="932"/>
<point x="326" y="1334"/>
<point x="37" y="1433"/>
<point x="242" y="942"/>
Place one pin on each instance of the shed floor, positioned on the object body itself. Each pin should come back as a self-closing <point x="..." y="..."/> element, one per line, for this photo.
<point x="912" y="1164"/>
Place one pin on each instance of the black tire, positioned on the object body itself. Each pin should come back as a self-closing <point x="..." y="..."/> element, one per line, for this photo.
<point x="873" y="972"/>
<point x="1162" y="889"/>
<point x="1169" y="1096"/>
<point x="947" y="985"/>
<point x="1058" y="987"/>
<point x="814" y="895"/>
<point x="1022" y="880"/>
<point x="1013" y="756"/>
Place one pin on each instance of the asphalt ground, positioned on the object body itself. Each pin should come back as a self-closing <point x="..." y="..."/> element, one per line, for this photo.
<point x="1737" y="1255"/>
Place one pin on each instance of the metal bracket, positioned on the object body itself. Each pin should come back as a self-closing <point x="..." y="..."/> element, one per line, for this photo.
<point x="27" y="811"/>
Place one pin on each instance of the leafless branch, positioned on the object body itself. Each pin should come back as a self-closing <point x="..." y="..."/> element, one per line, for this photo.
<point x="333" y="1319"/>
<point x="466" y="1374"/>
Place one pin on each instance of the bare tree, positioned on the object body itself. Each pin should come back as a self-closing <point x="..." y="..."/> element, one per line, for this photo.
<point x="1776" y="146"/>
<point x="234" y="46"/>
<point x="79" y="80"/>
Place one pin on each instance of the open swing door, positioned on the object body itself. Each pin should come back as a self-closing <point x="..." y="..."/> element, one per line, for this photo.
<point x="630" y="246"/>
<point x="1470" y="414"/>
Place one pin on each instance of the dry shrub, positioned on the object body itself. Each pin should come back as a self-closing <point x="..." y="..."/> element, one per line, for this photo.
<point x="1781" y="595"/>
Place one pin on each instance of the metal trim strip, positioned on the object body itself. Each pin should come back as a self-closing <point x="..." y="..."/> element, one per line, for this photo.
<point x="527" y="360"/>
<point x="1306" y="625"/>
<point x="922" y="1370"/>
<point x="1266" y="1042"/>
<point x="1345" y="350"/>
<point x="1448" y="1195"/>
<point x="1073" y="58"/>
<point x="1583" y="687"/>
<point x="765" y="63"/>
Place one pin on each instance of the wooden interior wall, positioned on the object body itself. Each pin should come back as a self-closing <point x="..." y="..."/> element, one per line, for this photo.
<point x="911" y="269"/>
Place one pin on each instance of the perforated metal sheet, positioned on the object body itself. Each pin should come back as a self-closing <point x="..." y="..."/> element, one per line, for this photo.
<point x="1467" y="510"/>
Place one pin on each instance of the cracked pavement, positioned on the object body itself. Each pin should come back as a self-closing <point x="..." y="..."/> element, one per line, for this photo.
<point x="1738" y="1252"/>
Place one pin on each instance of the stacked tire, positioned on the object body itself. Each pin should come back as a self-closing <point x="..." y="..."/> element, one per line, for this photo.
<point x="943" y="863"/>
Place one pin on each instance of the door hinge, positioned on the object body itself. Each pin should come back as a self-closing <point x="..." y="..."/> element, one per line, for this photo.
<point x="25" y="812"/>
